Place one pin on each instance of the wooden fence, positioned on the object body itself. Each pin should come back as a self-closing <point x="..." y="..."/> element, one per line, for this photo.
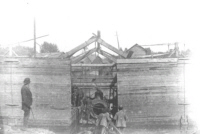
<point x="50" y="86"/>
<point x="151" y="90"/>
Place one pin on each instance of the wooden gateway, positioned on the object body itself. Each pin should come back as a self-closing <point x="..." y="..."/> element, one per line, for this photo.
<point x="150" y="89"/>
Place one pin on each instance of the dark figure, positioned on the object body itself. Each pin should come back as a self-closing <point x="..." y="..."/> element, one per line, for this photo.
<point x="98" y="94"/>
<point x="120" y="118"/>
<point x="26" y="101"/>
<point x="79" y="96"/>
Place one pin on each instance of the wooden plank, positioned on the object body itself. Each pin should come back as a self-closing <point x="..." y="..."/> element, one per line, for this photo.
<point x="136" y="61"/>
<point x="151" y="56"/>
<point x="75" y="57"/>
<point x="150" y="77"/>
<point x="132" y="73"/>
<point x="102" y="42"/>
<point x="147" y="65"/>
<point x="78" y="76"/>
<point x="92" y="77"/>
<point x="83" y="45"/>
<point x="90" y="80"/>
<point x="108" y="56"/>
<point x="75" y="60"/>
<point x="159" y="92"/>
<point x="90" y="84"/>
<point x="35" y="71"/>
<point x="36" y="61"/>
<point x="87" y="88"/>
<point x="79" y="56"/>
<point x="36" y="66"/>
<point x="144" y="87"/>
<point x="92" y="65"/>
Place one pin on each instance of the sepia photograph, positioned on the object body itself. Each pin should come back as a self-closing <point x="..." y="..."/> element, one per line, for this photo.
<point x="99" y="67"/>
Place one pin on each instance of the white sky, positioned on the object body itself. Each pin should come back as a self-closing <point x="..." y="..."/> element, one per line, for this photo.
<point x="70" y="23"/>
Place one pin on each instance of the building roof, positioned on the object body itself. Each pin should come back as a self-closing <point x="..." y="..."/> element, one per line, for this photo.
<point x="148" y="51"/>
<point x="136" y="45"/>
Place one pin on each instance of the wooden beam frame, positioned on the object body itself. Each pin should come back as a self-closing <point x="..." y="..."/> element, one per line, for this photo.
<point x="80" y="55"/>
<point x="108" y="56"/>
<point x="83" y="45"/>
<point x="102" y="42"/>
<point x="83" y="56"/>
<point x="172" y="53"/>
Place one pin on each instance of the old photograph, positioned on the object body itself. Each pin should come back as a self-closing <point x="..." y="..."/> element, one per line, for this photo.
<point x="99" y="67"/>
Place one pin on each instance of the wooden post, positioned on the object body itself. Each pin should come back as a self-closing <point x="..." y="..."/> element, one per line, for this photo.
<point x="117" y="40"/>
<point x="98" y="44"/>
<point x="168" y="48"/>
<point x="176" y="49"/>
<point x="34" y="39"/>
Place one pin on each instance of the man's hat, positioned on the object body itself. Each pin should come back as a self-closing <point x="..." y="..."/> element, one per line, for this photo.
<point x="27" y="81"/>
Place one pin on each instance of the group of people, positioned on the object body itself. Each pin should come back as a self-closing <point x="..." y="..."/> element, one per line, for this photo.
<point x="105" y="120"/>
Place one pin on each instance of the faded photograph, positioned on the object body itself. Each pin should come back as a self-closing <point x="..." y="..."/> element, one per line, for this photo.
<point x="99" y="67"/>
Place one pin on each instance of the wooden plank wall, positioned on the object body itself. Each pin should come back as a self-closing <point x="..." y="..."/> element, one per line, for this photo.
<point x="50" y="86"/>
<point x="151" y="90"/>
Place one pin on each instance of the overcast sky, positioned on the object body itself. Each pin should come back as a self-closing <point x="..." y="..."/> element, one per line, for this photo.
<point x="70" y="23"/>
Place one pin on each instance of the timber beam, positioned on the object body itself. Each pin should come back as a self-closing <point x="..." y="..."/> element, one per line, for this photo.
<point x="108" y="56"/>
<point x="93" y="65"/>
<point x="160" y="60"/>
<point x="83" y="45"/>
<point x="83" y="56"/>
<point x="102" y="42"/>
<point x="90" y="84"/>
<point x="151" y="56"/>
<point x="76" y="57"/>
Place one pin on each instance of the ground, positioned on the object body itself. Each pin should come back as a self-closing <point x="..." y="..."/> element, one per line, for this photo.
<point x="147" y="130"/>
<point x="130" y="130"/>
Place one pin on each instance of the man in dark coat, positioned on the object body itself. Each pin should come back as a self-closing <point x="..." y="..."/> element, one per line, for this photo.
<point x="26" y="100"/>
<point x="79" y="96"/>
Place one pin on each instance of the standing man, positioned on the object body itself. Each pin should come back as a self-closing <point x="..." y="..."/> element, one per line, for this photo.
<point x="26" y="101"/>
<point x="121" y="119"/>
<point x="79" y="96"/>
<point x="103" y="121"/>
